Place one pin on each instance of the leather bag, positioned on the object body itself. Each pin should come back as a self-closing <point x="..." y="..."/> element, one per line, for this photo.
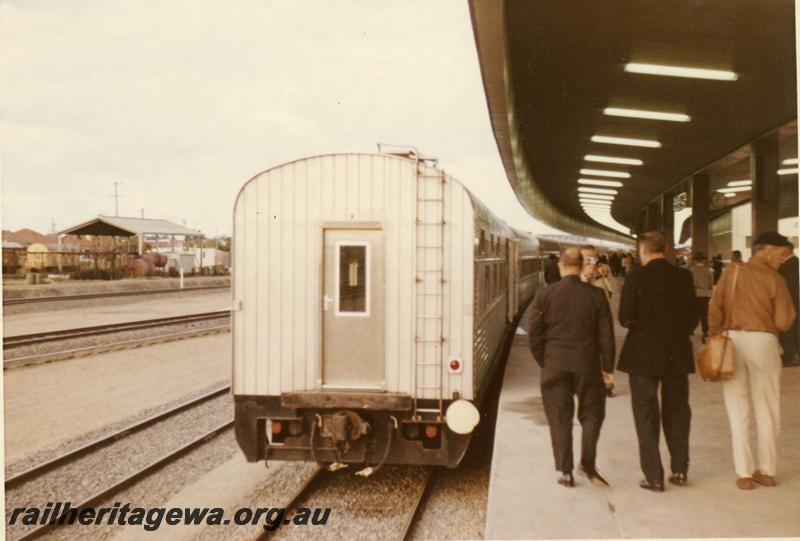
<point x="716" y="359"/>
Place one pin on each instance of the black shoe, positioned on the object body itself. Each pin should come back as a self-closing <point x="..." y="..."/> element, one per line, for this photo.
<point x="679" y="479"/>
<point x="655" y="487"/>
<point x="566" y="479"/>
<point x="593" y="476"/>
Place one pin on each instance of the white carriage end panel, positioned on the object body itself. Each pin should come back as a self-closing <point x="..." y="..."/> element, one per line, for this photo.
<point x="404" y="208"/>
<point x="297" y="203"/>
<point x="459" y="265"/>
<point x="392" y="173"/>
<point x="299" y="261"/>
<point x="454" y="261"/>
<point x="237" y="292"/>
<point x="312" y="278"/>
<point x="279" y="221"/>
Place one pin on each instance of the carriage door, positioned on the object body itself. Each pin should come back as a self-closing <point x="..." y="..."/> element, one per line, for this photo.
<point x="353" y="309"/>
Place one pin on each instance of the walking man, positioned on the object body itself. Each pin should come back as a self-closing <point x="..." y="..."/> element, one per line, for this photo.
<point x="756" y="301"/>
<point x="551" y="274"/>
<point x="703" y="277"/>
<point x="659" y="307"/>
<point x="572" y="339"/>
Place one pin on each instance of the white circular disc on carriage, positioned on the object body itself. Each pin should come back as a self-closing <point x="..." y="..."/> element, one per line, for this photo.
<point x="462" y="417"/>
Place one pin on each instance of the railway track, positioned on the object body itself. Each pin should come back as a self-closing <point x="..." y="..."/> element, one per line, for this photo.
<point x="30" y="300"/>
<point x="419" y="502"/>
<point x="65" y="334"/>
<point x="317" y="478"/>
<point x="21" y="478"/>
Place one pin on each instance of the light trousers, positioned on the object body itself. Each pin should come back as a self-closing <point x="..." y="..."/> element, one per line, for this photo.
<point x="756" y="378"/>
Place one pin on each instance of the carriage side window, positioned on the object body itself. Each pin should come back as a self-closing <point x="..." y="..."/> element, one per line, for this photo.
<point x="486" y="288"/>
<point x="353" y="290"/>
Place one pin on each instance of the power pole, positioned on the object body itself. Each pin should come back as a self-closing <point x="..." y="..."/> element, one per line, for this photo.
<point x="116" y="197"/>
<point x="142" y="211"/>
<point x="53" y="226"/>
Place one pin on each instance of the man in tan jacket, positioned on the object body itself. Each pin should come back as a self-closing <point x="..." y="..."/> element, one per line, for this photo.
<point x="755" y="300"/>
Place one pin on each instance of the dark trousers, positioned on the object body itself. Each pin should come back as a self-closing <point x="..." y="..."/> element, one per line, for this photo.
<point x="675" y="415"/>
<point x="558" y="391"/>
<point x="790" y="342"/>
<point x="702" y="309"/>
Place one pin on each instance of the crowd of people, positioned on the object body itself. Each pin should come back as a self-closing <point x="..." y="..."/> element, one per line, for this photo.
<point x="615" y="263"/>
<point x="572" y="339"/>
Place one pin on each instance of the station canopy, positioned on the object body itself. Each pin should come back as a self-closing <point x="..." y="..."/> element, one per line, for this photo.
<point x="562" y="78"/>
<point x="114" y="226"/>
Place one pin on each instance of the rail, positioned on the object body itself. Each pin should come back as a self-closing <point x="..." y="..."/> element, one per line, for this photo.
<point x="78" y="332"/>
<point x="21" y="478"/>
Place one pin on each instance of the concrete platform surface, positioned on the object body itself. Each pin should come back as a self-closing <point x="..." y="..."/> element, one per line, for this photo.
<point x="525" y="502"/>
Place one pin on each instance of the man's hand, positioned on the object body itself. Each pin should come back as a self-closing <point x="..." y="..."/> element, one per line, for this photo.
<point x="608" y="379"/>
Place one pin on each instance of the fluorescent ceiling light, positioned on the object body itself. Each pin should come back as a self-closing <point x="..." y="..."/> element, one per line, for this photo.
<point x="792" y="171"/>
<point x="740" y="183"/>
<point x="650" y="115"/>
<point x="603" y="173"/>
<point x="679" y="71"/>
<point x="593" y="182"/>
<point x="790" y="161"/>
<point x="597" y="190"/>
<point x="596" y="203"/>
<point x="612" y="159"/>
<point x="597" y="209"/>
<point x="595" y="197"/>
<point x="625" y="141"/>
<point x="730" y="195"/>
<point x="734" y="190"/>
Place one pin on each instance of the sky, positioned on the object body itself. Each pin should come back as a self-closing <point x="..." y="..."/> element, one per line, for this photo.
<point x="183" y="101"/>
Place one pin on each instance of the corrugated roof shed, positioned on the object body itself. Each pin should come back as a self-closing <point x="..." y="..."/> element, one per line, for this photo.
<point x="125" y="227"/>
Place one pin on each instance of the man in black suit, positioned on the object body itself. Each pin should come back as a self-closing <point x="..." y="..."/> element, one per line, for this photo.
<point x="551" y="273"/>
<point x="659" y="308"/>
<point x="572" y="339"/>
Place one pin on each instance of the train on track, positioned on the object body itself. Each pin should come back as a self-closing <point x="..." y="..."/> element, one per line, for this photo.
<point x="374" y="298"/>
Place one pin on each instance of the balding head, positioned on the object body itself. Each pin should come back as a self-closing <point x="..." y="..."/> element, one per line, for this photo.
<point x="571" y="261"/>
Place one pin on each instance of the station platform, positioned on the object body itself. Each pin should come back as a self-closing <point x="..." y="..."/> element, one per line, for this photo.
<point x="525" y="502"/>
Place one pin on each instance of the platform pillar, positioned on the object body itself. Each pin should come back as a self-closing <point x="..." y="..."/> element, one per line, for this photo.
<point x="667" y="225"/>
<point x="764" y="164"/>
<point x="700" y="201"/>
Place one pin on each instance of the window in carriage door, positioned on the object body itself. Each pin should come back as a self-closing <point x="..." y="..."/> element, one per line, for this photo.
<point x="352" y="276"/>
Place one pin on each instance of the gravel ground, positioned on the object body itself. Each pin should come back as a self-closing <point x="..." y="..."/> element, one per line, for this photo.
<point x="156" y="489"/>
<point x="108" y="339"/>
<point x="372" y="508"/>
<point x="54" y="402"/>
<point x="275" y="491"/>
<point x="87" y="475"/>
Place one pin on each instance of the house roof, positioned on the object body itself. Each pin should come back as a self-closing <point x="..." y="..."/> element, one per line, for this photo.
<point x="125" y="227"/>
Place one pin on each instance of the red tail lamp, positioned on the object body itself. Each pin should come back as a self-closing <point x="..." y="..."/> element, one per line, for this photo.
<point x="431" y="431"/>
<point x="277" y="427"/>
